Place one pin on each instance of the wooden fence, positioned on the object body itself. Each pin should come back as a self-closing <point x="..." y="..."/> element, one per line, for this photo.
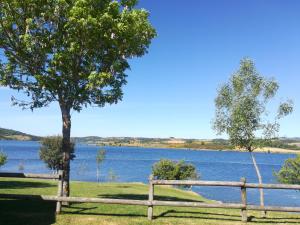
<point x="58" y="176"/>
<point x="151" y="202"/>
<point x="242" y="184"/>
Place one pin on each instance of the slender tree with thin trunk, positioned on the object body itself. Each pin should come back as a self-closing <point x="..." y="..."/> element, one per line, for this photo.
<point x="99" y="159"/>
<point x="74" y="52"/>
<point x="241" y="111"/>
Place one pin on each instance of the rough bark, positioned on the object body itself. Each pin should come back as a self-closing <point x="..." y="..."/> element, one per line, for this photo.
<point x="66" y="143"/>
<point x="261" y="190"/>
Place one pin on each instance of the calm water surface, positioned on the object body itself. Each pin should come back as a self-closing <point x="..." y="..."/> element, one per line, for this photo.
<point x="133" y="164"/>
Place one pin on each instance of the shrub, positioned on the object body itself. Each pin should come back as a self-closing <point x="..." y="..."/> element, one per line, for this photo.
<point x="290" y="171"/>
<point x="170" y="170"/>
<point x="51" y="152"/>
<point x="3" y="158"/>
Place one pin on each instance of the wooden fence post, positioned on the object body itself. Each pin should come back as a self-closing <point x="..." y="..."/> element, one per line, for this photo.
<point x="59" y="191"/>
<point x="244" y="200"/>
<point x="151" y="193"/>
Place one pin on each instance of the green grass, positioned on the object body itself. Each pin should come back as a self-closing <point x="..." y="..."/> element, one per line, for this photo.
<point x="36" y="212"/>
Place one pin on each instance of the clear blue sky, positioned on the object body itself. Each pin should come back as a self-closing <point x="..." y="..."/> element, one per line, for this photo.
<point x="171" y="91"/>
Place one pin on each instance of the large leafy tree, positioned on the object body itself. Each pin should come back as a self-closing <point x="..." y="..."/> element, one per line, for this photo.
<point x="241" y="111"/>
<point x="74" y="52"/>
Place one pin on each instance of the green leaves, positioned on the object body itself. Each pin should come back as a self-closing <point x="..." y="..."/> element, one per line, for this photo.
<point x="171" y="170"/>
<point x="75" y="52"/>
<point x="285" y="108"/>
<point x="3" y="158"/>
<point x="51" y="152"/>
<point x="241" y="107"/>
<point x="101" y="154"/>
<point x="290" y="171"/>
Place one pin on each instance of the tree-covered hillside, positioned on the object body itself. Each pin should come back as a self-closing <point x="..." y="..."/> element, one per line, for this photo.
<point x="8" y="134"/>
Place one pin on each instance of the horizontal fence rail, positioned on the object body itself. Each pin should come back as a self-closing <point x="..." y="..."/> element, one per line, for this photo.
<point x="240" y="184"/>
<point x="58" y="176"/>
<point x="273" y="186"/>
<point x="226" y="184"/>
<point x="197" y="183"/>
<point x="30" y="175"/>
<point x="151" y="202"/>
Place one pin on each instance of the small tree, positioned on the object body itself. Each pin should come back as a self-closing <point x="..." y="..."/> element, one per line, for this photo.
<point x="170" y="170"/>
<point x="241" y="111"/>
<point x="99" y="159"/>
<point x="3" y="158"/>
<point x="290" y="171"/>
<point x="112" y="176"/>
<point x="21" y="166"/>
<point x="51" y="152"/>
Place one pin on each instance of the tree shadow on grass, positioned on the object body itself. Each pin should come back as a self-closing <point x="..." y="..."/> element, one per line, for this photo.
<point x="145" y="197"/>
<point x="226" y="217"/>
<point x="16" y="212"/>
<point x="193" y="215"/>
<point x="106" y="214"/>
<point x="202" y="213"/>
<point x="77" y="209"/>
<point x="23" y="184"/>
<point x="209" y="216"/>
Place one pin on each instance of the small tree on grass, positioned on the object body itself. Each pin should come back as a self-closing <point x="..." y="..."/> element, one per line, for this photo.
<point x="112" y="176"/>
<point x="241" y="111"/>
<point x="290" y="171"/>
<point x="99" y="159"/>
<point x="3" y="158"/>
<point x="21" y="166"/>
<point x="167" y="169"/>
<point x="51" y="152"/>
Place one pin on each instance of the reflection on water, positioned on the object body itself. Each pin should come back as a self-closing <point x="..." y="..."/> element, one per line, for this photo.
<point x="132" y="164"/>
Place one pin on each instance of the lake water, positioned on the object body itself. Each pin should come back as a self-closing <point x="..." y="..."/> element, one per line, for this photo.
<point x="133" y="164"/>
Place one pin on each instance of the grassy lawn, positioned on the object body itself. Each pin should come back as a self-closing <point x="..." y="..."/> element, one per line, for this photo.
<point x="36" y="212"/>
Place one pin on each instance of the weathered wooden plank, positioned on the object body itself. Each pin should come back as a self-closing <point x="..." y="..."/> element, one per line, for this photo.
<point x="198" y="183"/>
<point x="273" y="186"/>
<point x="225" y="183"/>
<point x="59" y="191"/>
<point x="198" y="204"/>
<point x="244" y="200"/>
<point x="150" y="198"/>
<point x="30" y="175"/>
<point x="78" y="199"/>
<point x="103" y="200"/>
<point x="273" y="208"/>
<point x="154" y="202"/>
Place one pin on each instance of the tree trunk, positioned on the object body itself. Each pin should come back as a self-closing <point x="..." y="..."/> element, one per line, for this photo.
<point x="98" y="174"/>
<point x="66" y="143"/>
<point x="261" y="190"/>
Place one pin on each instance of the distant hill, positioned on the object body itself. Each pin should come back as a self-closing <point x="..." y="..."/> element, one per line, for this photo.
<point x="8" y="134"/>
<point x="171" y="142"/>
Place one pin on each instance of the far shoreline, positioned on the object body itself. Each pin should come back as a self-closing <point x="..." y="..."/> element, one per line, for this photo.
<point x="269" y="150"/>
